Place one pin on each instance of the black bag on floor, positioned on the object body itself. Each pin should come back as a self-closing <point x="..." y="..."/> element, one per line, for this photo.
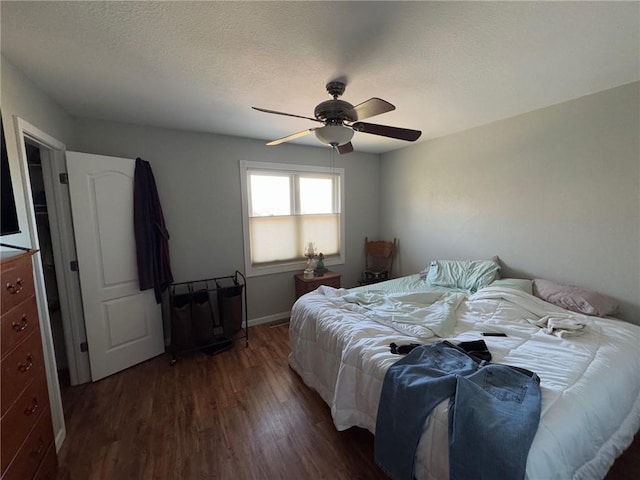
<point x="181" y="327"/>
<point x="230" y="306"/>
<point x="202" y="317"/>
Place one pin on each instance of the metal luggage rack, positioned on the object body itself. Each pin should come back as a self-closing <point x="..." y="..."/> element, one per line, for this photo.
<point x="225" y="327"/>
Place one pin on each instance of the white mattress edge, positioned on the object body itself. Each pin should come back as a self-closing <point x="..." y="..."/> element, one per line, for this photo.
<point x="612" y="448"/>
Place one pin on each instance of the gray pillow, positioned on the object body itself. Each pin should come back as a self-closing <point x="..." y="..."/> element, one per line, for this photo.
<point x="574" y="298"/>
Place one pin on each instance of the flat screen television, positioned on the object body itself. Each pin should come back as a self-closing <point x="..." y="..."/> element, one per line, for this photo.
<point x="9" y="215"/>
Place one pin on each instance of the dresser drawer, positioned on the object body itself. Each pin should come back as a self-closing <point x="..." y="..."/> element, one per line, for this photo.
<point x="21" y="367"/>
<point x="33" y="450"/>
<point x="49" y="466"/>
<point x="27" y="446"/>
<point x="16" y="282"/>
<point x="17" y="324"/>
<point x="333" y="282"/>
<point x="312" y="285"/>
<point x="306" y="285"/>
<point x="21" y="418"/>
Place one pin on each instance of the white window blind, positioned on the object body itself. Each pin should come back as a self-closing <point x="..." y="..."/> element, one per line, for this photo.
<point x="285" y="208"/>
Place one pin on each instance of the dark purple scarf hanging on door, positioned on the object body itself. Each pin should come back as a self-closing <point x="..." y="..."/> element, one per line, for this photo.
<point x="152" y="237"/>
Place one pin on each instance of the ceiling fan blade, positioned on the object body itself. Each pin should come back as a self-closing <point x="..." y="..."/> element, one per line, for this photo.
<point x="286" y="114"/>
<point x="291" y="137"/>
<point x="346" y="148"/>
<point x="387" y="131"/>
<point x="369" y="108"/>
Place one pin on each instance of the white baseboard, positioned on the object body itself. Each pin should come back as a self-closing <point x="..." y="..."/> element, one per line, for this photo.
<point x="269" y="318"/>
<point x="254" y="321"/>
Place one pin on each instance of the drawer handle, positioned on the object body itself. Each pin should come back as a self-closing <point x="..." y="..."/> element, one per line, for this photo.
<point x="26" y="366"/>
<point x="18" y="327"/>
<point x="38" y="450"/>
<point x="31" y="409"/>
<point x="15" y="287"/>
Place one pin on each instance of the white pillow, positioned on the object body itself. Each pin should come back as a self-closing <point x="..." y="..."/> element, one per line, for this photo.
<point x="522" y="284"/>
<point x="470" y="275"/>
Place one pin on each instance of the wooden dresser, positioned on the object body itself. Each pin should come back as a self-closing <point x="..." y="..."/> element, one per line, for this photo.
<point x="27" y="449"/>
<point x="306" y="285"/>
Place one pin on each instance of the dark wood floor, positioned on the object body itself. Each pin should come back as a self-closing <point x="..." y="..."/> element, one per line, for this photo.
<point x="242" y="414"/>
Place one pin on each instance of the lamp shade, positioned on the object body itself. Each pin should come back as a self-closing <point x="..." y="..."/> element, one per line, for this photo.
<point x="334" y="134"/>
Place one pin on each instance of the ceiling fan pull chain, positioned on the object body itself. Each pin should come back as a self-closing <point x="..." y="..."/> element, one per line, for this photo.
<point x="333" y="158"/>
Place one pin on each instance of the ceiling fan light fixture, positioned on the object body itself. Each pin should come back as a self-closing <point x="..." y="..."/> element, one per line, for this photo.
<point x="334" y="113"/>
<point x="334" y="134"/>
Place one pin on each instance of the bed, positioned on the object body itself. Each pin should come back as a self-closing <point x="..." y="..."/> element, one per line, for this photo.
<point x="340" y="347"/>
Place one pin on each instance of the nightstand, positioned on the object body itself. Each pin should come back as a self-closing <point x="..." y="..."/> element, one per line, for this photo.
<point x="304" y="285"/>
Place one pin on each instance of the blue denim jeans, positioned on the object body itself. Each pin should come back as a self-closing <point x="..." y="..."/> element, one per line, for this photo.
<point x="497" y="401"/>
<point x="492" y="421"/>
<point x="412" y="388"/>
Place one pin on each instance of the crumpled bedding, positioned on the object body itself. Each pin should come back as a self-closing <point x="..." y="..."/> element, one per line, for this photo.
<point x="421" y="314"/>
<point x="552" y="320"/>
<point x="590" y="383"/>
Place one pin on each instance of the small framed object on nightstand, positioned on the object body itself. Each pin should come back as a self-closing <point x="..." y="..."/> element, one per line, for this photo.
<point x="306" y="285"/>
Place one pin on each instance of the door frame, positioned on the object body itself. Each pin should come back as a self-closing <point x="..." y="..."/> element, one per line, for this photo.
<point x="62" y="239"/>
<point x="53" y="163"/>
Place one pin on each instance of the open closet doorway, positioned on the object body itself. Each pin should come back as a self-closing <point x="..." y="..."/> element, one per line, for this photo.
<point x="109" y="324"/>
<point x="34" y="163"/>
<point x="50" y="217"/>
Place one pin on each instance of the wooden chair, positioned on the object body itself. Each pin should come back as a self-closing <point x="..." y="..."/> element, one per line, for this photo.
<point x="379" y="260"/>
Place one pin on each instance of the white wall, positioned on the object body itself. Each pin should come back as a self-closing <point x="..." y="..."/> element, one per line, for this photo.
<point x="198" y="180"/>
<point x="555" y="193"/>
<point x="20" y="97"/>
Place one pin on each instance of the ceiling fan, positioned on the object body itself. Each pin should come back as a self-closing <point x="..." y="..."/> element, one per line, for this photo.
<point x="341" y="120"/>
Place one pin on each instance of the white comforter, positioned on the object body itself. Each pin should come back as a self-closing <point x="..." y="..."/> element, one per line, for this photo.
<point x="420" y="314"/>
<point x="590" y="382"/>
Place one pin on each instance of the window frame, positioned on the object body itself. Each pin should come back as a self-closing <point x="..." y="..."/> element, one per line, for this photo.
<point x="275" y="168"/>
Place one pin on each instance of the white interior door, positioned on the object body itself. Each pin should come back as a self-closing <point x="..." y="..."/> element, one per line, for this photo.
<point x="124" y="325"/>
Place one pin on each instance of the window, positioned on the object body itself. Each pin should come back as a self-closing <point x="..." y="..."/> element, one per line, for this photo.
<point x="284" y="208"/>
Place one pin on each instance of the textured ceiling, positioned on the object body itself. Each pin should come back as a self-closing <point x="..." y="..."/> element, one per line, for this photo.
<point x="200" y="66"/>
